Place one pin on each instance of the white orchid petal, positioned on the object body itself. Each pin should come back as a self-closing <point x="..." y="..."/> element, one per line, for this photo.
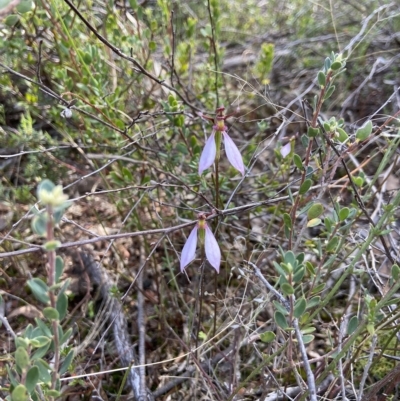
<point x="213" y="252"/>
<point x="285" y="150"/>
<point x="189" y="250"/>
<point x="208" y="155"/>
<point x="233" y="154"/>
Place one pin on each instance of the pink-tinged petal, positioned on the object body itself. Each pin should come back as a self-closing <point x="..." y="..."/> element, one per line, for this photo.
<point x="208" y="155"/>
<point x="233" y="153"/>
<point x="189" y="250"/>
<point x="285" y="150"/>
<point x="211" y="246"/>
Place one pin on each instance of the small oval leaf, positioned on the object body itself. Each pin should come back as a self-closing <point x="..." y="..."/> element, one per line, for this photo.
<point x="20" y="393"/>
<point x="307" y="338"/>
<point x="395" y="272"/>
<point x="305" y="186"/>
<point x="280" y="320"/>
<point x="287" y="289"/>
<point x="300" y="307"/>
<point x="364" y="132"/>
<point x="353" y="324"/>
<point x="314" y="223"/>
<point x="51" y="313"/>
<point x="343" y="214"/>
<point x="267" y="336"/>
<point x="32" y="378"/>
<point x="315" y="211"/>
<point x="22" y="358"/>
<point x="39" y="290"/>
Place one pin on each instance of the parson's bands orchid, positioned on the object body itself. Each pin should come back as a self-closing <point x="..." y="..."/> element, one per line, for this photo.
<point x="213" y="253"/>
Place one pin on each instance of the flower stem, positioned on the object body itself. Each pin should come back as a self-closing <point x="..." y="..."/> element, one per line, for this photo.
<point x="51" y="280"/>
<point x="217" y="183"/>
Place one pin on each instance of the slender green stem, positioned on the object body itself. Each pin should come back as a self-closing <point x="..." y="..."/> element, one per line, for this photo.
<point x="51" y="280"/>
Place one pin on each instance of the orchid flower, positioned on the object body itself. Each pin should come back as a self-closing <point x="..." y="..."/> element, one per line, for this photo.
<point x="212" y="148"/>
<point x="211" y="247"/>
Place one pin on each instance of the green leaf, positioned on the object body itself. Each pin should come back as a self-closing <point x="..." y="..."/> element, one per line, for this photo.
<point x="308" y="330"/>
<point x="395" y="272"/>
<point x="287" y="289"/>
<point x="299" y="307"/>
<point x="364" y="132"/>
<point x="353" y="324"/>
<point x="43" y="329"/>
<point x="359" y="181"/>
<point x="11" y="20"/>
<point x="280" y="320"/>
<point x="21" y="342"/>
<point x="315" y="211"/>
<point x="321" y="79"/>
<point x="312" y="132"/>
<point x="22" y="358"/>
<point x="318" y="288"/>
<point x="299" y="274"/>
<point x="51" y="245"/>
<point x="343" y="213"/>
<point x="10" y="376"/>
<point x="25" y="6"/>
<point x="304" y="318"/>
<point x="279" y="307"/>
<point x="305" y="186"/>
<point x="127" y="174"/>
<point x="51" y="313"/>
<point x="39" y="290"/>
<point x="59" y="268"/>
<point x="336" y="65"/>
<point x="87" y="58"/>
<point x="328" y="224"/>
<point x="32" y="378"/>
<point x="182" y="148"/>
<point x="307" y="338"/>
<point x="20" y="393"/>
<point x="310" y="268"/>
<point x="332" y="244"/>
<point x="341" y="135"/>
<point x="40" y="341"/>
<point x="327" y="64"/>
<point x="300" y="257"/>
<point x="313" y="302"/>
<point x="44" y="370"/>
<point x="267" y="336"/>
<point x="152" y="46"/>
<point x="67" y="362"/>
<point x="41" y="352"/>
<point x="290" y="258"/>
<point x="298" y="162"/>
<point x="329" y="92"/>
<point x="314" y="222"/>
<point x="287" y="220"/>
<point x="39" y="224"/>
<point x="62" y="305"/>
<point x="66" y="336"/>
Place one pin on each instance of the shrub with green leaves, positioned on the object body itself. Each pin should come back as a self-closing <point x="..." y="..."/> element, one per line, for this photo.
<point x="281" y="254"/>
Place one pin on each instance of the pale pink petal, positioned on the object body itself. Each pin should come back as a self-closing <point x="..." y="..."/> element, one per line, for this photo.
<point x="189" y="250"/>
<point x="213" y="252"/>
<point x="233" y="154"/>
<point x="285" y="150"/>
<point x="208" y="156"/>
